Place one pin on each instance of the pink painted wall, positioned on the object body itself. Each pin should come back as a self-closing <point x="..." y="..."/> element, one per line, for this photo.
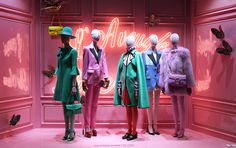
<point x="132" y="16"/>
<point x="213" y="105"/>
<point x="16" y="56"/>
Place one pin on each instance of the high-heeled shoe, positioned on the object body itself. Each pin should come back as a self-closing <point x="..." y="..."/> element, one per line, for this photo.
<point x="181" y="134"/>
<point x="71" y="136"/>
<point x="156" y="132"/>
<point x="175" y="134"/>
<point x="67" y="132"/>
<point x="150" y="133"/>
<point x="132" y="137"/>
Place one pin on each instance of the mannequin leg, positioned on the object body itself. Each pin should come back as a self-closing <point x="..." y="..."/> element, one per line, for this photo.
<point x="134" y="119"/>
<point x="150" y="114"/>
<point x="155" y="114"/>
<point x="129" y="119"/>
<point x="66" y="119"/>
<point x="94" y="109"/>
<point x="87" y="110"/>
<point x="133" y="135"/>
<point x="72" y="130"/>
<point x="176" y="115"/>
<point x="181" y="109"/>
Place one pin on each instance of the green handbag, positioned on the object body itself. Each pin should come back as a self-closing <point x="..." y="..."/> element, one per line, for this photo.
<point x="73" y="108"/>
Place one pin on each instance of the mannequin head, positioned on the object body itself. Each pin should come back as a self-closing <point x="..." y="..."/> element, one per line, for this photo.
<point x="95" y="35"/>
<point x="130" y="40"/>
<point x="66" y="35"/>
<point x="65" y="39"/>
<point x="154" y="40"/>
<point x="174" y="38"/>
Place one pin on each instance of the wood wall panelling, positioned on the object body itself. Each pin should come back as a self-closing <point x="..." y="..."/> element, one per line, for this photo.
<point x="113" y="8"/>
<point x="16" y="77"/>
<point x="205" y="7"/>
<point x="5" y="117"/>
<point x="166" y="8"/>
<point x="214" y="72"/>
<point x="18" y="5"/>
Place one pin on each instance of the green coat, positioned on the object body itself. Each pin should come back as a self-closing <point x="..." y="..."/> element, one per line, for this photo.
<point x="128" y="72"/>
<point x="66" y="69"/>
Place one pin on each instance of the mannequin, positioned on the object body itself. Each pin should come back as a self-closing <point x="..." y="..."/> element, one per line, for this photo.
<point x="66" y="72"/>
<point x="176" y="60"/>
<point x="95" y="75"/>
<point x="152" y="68"/>
<point x="130" y="87"/>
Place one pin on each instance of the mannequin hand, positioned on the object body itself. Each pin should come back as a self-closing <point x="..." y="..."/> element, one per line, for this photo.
<point x="84" y="86"/>
<point x="189" y="91"/>
<point x="82" y="99"/>
<point x="163" y="90"/>
<point x="107" y="82"/>
<point x="73" y="89"/>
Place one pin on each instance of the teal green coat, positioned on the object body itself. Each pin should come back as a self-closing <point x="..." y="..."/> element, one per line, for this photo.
<point x="66" y="69"/>
<point x="128" y="72"/>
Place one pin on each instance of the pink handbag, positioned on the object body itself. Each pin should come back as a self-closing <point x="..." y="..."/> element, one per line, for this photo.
<point x="177" y="80"/>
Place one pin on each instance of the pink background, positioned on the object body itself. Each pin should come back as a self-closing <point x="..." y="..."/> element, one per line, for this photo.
<point x="211" y="109"/>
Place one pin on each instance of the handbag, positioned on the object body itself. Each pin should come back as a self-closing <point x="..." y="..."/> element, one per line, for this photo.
<point x="73" y="108"/>
<point x="176" y="80"/>
<point x="54" y="30"/>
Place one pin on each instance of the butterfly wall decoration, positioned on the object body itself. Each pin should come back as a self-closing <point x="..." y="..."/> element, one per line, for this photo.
<point x="226" y="49"/>
<point x="52" y="5"/>
<point x="15" y="119"/>
<point x="153" y="20"/>
<point x="50" y="72"/>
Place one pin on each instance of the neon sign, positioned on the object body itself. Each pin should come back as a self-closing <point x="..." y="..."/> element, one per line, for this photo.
<point x="17" y="80"/>
<point x="117" y="38"/>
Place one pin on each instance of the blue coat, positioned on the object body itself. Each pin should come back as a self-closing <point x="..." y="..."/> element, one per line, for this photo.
<point x="152" y="68"/>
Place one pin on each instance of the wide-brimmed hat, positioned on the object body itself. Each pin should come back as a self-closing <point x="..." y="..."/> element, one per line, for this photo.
<point x="67" y="31"/>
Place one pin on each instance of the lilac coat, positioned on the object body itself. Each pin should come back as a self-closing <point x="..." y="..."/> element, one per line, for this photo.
<point x="179" y="61"/>
<point x="94" y="67"/>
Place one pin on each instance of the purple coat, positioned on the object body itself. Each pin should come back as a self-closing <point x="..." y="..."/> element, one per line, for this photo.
<point x="94" y="65"/>
<point x="177" y="61"/>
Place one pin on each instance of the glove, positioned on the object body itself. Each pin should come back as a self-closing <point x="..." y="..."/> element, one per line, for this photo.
<point x="84" y="86"/>
<point x="136" y="89"/>
<point x="189" y="91"/>
<point x="119" y="88"/>
<point x="163" y="90"/>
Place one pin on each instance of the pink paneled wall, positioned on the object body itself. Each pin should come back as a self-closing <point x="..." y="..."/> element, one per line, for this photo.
<point x="213" y="106"/>
<point x="17" y="61"/>
<point x="132" y="15"/>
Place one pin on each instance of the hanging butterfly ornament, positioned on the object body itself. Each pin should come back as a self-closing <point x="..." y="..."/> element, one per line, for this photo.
<point x="52" y="5"/>
<point x="50" y="72"/>
<point x="226" y="49"/>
